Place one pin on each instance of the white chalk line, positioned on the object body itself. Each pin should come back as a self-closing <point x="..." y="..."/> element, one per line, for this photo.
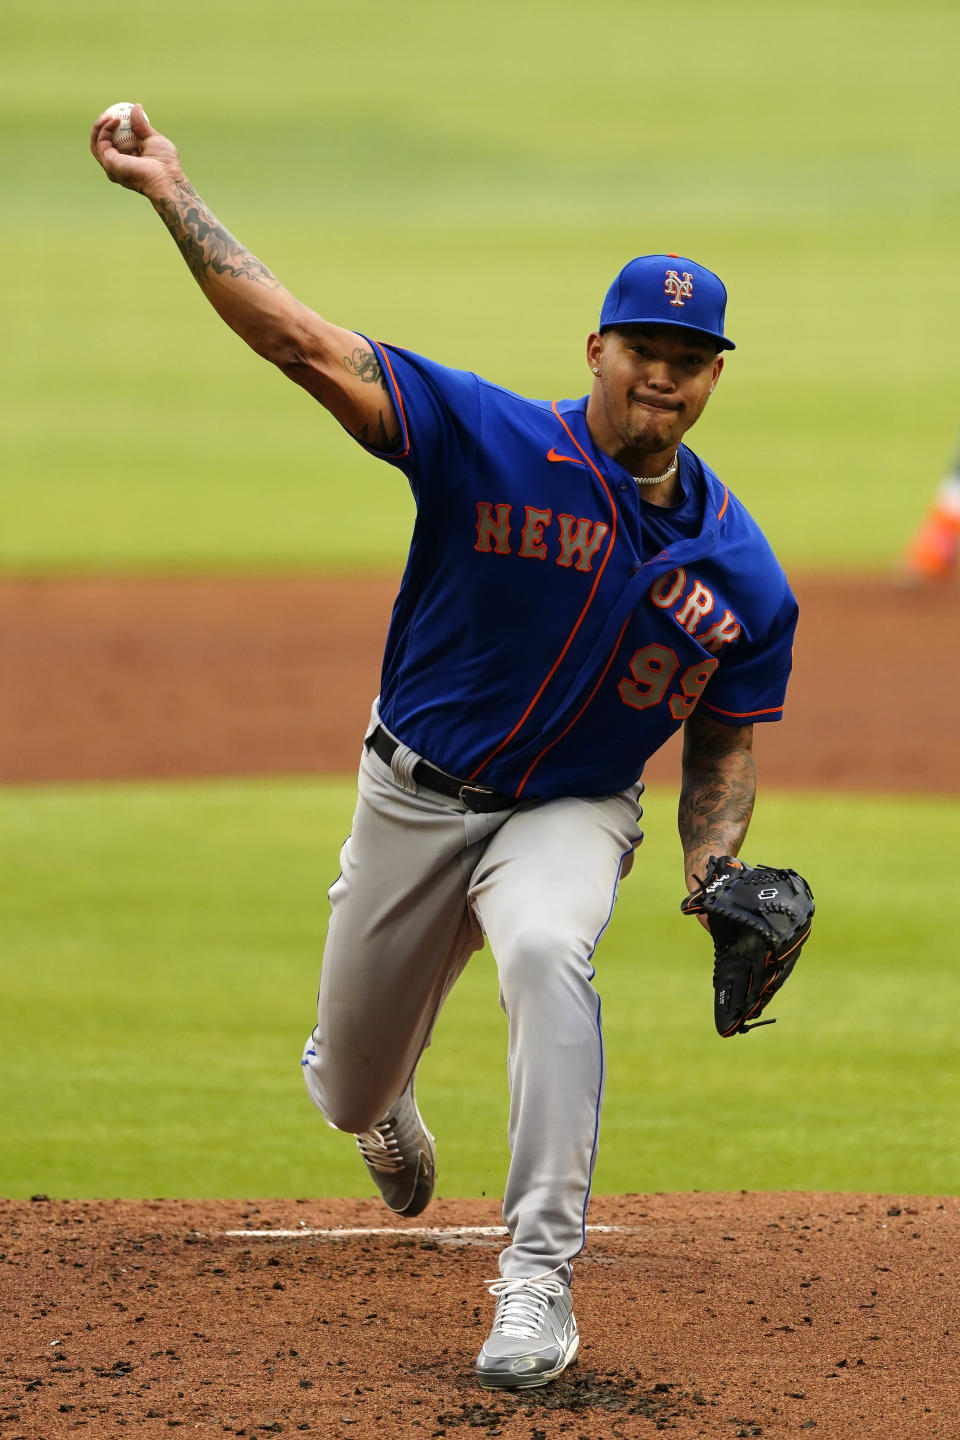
<point x="436" y="1232"/>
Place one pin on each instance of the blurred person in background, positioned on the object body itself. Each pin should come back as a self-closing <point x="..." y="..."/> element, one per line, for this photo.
<point x="932" y="552"/>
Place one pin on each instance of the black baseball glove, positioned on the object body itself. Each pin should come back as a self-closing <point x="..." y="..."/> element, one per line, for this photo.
<point x="759" y="918"/>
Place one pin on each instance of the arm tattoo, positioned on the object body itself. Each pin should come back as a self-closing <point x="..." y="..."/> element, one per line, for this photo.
<point x="382" y="439"/>
<point x="206" y="245"/>
<point x="368" y="370"/>
<point x="366" y="367"/>
<point x="718" y="791"/>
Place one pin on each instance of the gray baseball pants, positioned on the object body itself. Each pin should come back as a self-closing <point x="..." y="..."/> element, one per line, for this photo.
<point x="422" y="880"/>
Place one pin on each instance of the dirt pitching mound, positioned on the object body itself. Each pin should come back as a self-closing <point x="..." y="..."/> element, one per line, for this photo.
<point x="708" y="1315"/>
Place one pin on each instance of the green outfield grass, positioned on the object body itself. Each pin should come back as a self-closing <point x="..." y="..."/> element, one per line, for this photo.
<point x="466" y="181"/>
<point x="161" y="948"/>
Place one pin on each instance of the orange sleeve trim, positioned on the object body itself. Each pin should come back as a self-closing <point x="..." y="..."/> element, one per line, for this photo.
<point x="394" y="454"/>
<point x="726" y="499"/>
<point x="742" y="714"/>
<point x="580" y="618"/>
<point x="583" y="707"/>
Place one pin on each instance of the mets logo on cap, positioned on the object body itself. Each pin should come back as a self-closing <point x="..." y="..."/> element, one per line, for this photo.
<point x="679" y="289"/>
<point x="667" y="290"/>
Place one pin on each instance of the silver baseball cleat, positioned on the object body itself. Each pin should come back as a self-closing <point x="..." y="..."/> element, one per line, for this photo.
<point x="534" y="1335"/>
<point x="400" y="1155"/>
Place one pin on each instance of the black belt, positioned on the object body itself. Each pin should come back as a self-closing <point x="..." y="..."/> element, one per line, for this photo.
<point x="478" y="798"/>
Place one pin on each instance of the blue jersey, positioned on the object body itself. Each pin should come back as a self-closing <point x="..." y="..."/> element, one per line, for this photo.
<point x="553" y="629"/>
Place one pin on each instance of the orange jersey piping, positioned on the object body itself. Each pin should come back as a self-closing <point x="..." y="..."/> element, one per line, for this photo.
<point x="590" y="598"/>
<point x="743" y="714"/>
<point x="395" y="455"/>
<point x="583" y="707"/>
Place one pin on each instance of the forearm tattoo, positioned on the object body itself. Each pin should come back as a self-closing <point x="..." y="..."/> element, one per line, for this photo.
<point x="210" y="250"/>
<point x="717" y="795"/>
<point x="205" y="245"/>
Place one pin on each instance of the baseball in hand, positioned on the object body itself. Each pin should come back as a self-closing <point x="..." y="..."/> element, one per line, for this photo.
<point x="123" y="137"/>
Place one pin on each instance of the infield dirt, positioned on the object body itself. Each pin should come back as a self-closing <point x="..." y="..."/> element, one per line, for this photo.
<point x="231" y="676"/>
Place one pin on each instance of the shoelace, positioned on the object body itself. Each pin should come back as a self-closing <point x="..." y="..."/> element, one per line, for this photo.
<point x="521" y="1303"/>
<point x="379" y="1148"/>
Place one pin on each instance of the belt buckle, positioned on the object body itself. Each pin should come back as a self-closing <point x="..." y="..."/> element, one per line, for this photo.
<point x="466" y="791"/>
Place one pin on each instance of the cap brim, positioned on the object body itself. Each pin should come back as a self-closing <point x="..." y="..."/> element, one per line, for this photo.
<point x="720" y="341"/>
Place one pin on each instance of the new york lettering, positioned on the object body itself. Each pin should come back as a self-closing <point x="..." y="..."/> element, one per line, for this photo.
<point x="577" y="539"/>
<point x="691" y="602"/>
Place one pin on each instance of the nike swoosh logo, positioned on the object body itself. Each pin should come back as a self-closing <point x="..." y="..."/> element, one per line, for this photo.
<point x="553" y="454"/>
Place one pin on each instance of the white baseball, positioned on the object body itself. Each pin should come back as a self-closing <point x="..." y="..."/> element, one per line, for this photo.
<point x="123" y="137"/>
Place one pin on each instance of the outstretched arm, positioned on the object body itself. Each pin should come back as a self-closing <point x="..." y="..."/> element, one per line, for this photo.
<point x="717" y="791"/>
<point x="334" y="365"/>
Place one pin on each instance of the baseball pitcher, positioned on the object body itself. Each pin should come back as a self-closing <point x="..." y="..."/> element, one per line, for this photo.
<point x="580" y="584"/>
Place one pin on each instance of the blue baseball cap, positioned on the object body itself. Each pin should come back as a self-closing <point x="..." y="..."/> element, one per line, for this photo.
<point x="667" y="290"/>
